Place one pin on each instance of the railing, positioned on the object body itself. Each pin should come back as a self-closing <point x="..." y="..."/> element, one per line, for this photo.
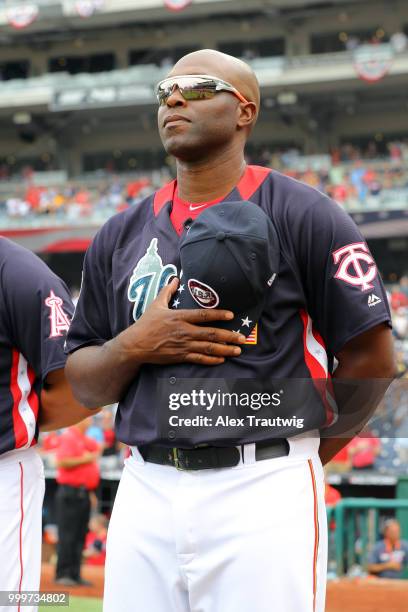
<point x="135" y="85"/>
<point x="357" y="529"/>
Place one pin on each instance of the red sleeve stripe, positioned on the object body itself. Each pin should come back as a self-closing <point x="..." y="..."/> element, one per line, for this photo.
<point x="251" y="180"/>
<point x="316" y="532"/>
<point x="315" y="356"/>
<point x="162" y="196"/>
<point x="25" y="402"/>
<point x="21" y="529"/>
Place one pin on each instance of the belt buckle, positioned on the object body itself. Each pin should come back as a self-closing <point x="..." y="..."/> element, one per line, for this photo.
<point x="176" y="460"/>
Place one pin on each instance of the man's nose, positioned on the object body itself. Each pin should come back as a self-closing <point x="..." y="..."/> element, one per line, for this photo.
<point x="175" y="98"/>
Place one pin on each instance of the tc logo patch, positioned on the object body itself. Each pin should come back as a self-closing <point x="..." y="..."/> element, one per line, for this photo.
<point x="350" y="269"/>
<point x="148" y="278"/>
<point x="59" y="321"/>
<point x="204" y="295"/>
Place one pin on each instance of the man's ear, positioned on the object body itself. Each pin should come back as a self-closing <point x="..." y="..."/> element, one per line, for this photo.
<point x="248" y="113"/>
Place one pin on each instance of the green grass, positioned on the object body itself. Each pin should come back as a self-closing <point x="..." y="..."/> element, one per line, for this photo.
<point x="77" y="604"/>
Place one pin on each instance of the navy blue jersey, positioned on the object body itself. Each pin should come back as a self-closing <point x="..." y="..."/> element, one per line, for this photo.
<point x="327" y="292"/>
<point x="35" y="313"/>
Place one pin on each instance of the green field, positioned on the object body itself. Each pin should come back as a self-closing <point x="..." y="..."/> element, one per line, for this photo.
<point x="77" y="604"/>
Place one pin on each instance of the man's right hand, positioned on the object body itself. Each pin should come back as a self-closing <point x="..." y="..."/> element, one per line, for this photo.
<point x="163" y="335"/>
<point x="100" y="375"/>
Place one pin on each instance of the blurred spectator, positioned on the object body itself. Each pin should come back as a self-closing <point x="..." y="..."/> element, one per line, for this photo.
<point x="340" y="463"/>
<point x="357" y="180"/>
<point x="400" y="323"/>
<point x="95" y="432"/>
<point x="363" y="451"/>
<point x="399" y="297"/>
<point x="401" y="447"/>
<point x="110" y="445"/>
<point x="404" y="285"/>
<point x="16" y="207"/>
<point x="389" y="556"/>
<point x="77" y="475"/>
<point x="395" y="150"/>
<point x="95" y="544"/>
<point x="331" y="495"/>
<point x="50" y="442"/>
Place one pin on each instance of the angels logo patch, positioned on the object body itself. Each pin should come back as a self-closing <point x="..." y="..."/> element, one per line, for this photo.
<point x="148" y="278"/>
<point x="355" y="265"/>
<point x="203" y="294"/>
<point x="59" y="321"/>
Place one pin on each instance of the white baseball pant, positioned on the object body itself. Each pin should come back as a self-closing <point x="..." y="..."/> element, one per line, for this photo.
<point x="252" y="538"/>
<point x="22" y="487"/>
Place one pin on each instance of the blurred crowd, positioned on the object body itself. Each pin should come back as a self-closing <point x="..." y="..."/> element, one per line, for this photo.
<point x="355" y="177"/>
<point x="76" y="201"/>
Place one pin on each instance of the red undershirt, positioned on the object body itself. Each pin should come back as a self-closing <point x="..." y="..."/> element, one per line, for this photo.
<point x="183" y="210"/>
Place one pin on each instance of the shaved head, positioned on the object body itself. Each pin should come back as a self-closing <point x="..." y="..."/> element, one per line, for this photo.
<point x="226" y="67"/>
<point x="197" y="130"/>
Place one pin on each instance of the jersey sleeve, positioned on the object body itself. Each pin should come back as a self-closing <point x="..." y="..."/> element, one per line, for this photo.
<point x="39" y="310"/>
<point x="344" y="292"/>
<point x="90" y="324"/>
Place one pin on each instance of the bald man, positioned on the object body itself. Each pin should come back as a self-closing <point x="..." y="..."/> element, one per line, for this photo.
<point x="389" y="556"/>
<point x="231" y="272"/>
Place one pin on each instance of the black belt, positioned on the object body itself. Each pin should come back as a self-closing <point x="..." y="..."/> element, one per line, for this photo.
<point x="209" y="457"/>
<point x="80" y="491"/>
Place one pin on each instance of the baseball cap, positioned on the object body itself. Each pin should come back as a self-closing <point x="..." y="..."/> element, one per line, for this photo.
<point x="229" y="259"/>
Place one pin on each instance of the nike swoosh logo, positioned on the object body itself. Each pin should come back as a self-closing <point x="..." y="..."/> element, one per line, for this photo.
<point x="197" y="207"/>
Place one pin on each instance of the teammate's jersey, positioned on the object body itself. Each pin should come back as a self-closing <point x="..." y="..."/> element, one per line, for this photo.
<point x="35" y="313"/>
<point x="327" y="292"/>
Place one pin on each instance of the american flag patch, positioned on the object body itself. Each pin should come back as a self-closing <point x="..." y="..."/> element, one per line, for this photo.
<point x="253" y="336"/>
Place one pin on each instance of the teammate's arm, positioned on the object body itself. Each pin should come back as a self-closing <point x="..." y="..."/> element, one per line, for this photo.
<point x="71" y="462"/>
<point x="100" y="374"/>
<point x="59" y="408"/>
<point x="377" y="568"/>
<point x="367" y="356"/>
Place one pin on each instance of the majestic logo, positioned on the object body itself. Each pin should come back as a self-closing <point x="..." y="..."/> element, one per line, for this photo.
<point x="350" y="269"/>
<point x="59" y="321"/>
<point x="148" y="278"/>
<point x="373" y="300"/>
<point x="203" y="294"/>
